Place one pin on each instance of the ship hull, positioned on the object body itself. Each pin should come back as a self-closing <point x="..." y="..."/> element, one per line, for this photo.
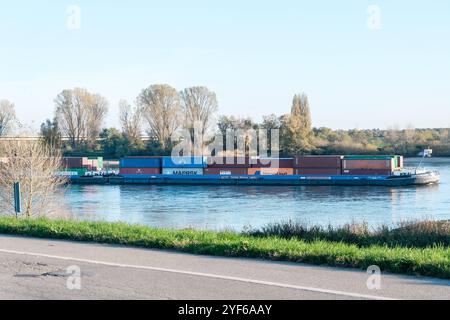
<point x="295" y="180"/>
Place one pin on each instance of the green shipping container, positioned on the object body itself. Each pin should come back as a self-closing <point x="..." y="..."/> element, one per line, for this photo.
<point x="73" y="172"/>
<point x="100" y="163"/>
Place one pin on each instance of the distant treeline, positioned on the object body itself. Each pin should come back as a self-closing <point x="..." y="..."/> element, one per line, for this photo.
<point x="114" y="144"/>
<point x="160" y="111"/>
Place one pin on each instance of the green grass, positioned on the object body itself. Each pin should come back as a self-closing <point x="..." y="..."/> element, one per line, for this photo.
<point x="429" y="261"/>
<point x="410" y="234"/>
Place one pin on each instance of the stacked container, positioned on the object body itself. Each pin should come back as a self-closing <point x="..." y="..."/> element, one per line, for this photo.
<point x="183" y="166"/>
<point x="140" y="166"/>
<point x="228" y="166"/>
<point x="74" y="167"/>
<point x="94" y="163"/>
<point x="399" y="162"/>
<point x="272" y="166"/>
<point x="371" y="165"/>
<point x="318" y="165"/>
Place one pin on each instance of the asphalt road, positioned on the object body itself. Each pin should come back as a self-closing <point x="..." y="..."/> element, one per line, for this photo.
<point x="44" y="269"/>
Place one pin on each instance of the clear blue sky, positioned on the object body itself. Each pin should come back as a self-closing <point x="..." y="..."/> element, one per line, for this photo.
<point x="255" y="54"/>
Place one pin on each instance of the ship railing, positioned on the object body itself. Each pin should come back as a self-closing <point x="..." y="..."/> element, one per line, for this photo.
<point x="417" y="170"/>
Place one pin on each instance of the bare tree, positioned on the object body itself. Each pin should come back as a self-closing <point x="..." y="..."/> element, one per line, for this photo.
<point x="80" y="115"/>
<point x="7" y="116"/>
<point x="200" y="107"/>
<point x="160" y="105"/>
<point x="34" y="165"/>
<point x="97" y="108"/>
<point x="130" y="119"/>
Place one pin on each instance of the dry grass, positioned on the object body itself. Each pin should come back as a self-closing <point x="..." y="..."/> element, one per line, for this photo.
<point x="407" y="234"/>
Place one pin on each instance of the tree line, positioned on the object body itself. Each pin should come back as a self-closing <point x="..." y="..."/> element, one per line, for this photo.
<point x="160" y="110"/>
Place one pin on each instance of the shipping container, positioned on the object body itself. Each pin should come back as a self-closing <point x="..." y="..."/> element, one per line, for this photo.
<point x="318" y="171"/>
<point x="369" y="157"/>
<point x="318" y="161"/>
<point x="228" y="171"/>
<point x="183" y="162"/>
<point x="367" y="172"/>
<point x="271" y="171"/>
<point x="144" y="162"/>
<point x="72" y="172"/>
<point x="399" y="162"/>
<point x="369" y="164"/>
<point x="74" y="162"/>
<point x="273" y="163"/>
<point x="230" y="162"/>
<point x="140" y="171"/>
<point x="183" y="171"/>
<point x="96" y="162"/>
<point x="91" y="163"/>
<point x="111" y="164"/>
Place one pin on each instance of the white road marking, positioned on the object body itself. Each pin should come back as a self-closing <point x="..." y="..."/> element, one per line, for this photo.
<point x="200" y="274"/>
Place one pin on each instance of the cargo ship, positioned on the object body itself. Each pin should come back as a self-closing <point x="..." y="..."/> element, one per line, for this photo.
<point x="299" y="170"/>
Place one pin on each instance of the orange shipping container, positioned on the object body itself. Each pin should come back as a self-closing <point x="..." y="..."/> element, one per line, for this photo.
<point x="271" y="171"/>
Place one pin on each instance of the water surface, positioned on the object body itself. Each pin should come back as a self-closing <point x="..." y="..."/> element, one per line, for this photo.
<point x="236" y="207"/>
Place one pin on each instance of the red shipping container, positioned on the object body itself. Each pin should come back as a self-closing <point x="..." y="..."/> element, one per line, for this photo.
<point x="140" y="171"/>
<point x="368" y="164"/>
<point x="366" y="172"/>
<point x="73" y="162"/>
<point x="273" y="163"/>
<point x="318" y="161"/>
<point x="318" y="171"/>
<point x="225" y="171"/>
<point x="229" y="162"/>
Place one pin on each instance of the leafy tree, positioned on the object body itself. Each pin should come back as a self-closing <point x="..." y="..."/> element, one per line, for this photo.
<point x="113" y="143"/>
<point x="297" y="127"/>
<point x="51" y="134"/>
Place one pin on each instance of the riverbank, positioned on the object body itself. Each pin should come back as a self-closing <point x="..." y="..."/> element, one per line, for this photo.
<point x="429" y="261"/>
<point x="421" y="234"/>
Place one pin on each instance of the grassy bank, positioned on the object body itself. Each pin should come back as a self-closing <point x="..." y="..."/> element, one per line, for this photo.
<point x="429" y="261"/>
<point x="411" y="234"/>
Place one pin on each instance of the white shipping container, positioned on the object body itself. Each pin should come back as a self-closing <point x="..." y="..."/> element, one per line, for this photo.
<point x="183" y="171"/>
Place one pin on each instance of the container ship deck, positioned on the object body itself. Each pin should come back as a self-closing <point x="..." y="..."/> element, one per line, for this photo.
<point x="425" y="178"/>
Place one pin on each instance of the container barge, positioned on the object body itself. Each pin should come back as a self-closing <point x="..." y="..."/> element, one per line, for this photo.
<point x="296" y="171"/>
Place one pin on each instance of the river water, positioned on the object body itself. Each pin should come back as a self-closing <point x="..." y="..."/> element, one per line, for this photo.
<point x="238" y="207"/>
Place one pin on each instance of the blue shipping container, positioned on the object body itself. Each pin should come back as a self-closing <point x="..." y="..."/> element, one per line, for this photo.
<point x="140" y="163"/>
<point x="184" y="162"/>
